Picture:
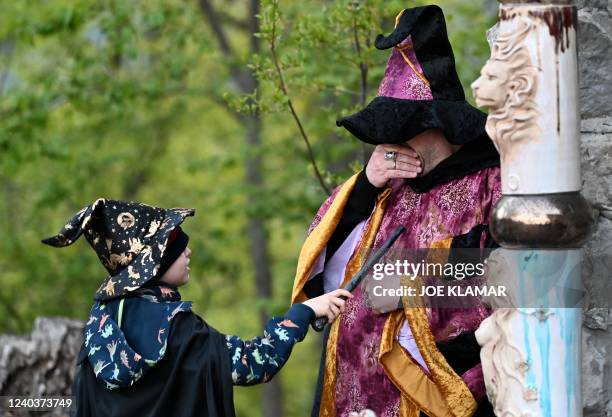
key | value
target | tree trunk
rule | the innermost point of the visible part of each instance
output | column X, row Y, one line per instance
column 272, row 393
column 256, row 229
column 258, row 241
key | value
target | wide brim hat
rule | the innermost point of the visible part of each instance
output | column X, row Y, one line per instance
column 129, row 238
column 420, row 89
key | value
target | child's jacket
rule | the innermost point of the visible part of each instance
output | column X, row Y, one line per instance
column 150, row 355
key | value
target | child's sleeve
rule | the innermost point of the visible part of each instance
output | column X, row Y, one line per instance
column 258, row 360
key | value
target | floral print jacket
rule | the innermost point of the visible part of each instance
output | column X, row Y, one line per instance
column 258, row 360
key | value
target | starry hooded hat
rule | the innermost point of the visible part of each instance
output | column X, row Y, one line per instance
column 420, row 89
column 129, row 238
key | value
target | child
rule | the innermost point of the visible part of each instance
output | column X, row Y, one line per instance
column 145, row 353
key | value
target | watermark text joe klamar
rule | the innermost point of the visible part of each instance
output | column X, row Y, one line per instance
column 441, row 291
column 447, row 288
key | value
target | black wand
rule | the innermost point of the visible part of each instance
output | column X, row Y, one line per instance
column 320, row 323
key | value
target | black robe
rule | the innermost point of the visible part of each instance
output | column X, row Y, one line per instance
column 192, row 380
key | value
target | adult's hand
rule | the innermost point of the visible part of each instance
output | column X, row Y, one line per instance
column 379, row 170
column 377, row 293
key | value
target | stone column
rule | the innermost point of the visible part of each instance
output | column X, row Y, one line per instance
column 531, row 343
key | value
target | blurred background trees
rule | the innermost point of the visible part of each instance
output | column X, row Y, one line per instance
column 218, row 105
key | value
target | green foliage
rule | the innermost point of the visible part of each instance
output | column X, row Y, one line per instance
column 135, row 100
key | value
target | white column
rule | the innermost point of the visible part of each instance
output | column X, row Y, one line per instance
column 531, row 343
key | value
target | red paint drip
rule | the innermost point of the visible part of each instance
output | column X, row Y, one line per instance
column 559, row 21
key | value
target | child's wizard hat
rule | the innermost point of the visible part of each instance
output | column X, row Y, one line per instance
column 130, row 239
column 420, row 89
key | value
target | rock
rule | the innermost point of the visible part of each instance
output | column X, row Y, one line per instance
column 42, row 363
column 596, row 150
column 595, row 57
column 593, row 374
column 595, row 61
column 593, row 4
column 596, row 272
column 596, row 318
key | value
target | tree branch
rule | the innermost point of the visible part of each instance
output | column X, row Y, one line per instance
column 245, row 79
column 153, row 152
column 211, row 15
column 363, row 68
column 363, row 65
column 284, row 89
column 231, row 20
column 242, row 78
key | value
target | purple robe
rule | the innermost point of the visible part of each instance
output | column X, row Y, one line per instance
column 445, row 211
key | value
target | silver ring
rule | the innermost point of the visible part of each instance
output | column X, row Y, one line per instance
column 390, row 156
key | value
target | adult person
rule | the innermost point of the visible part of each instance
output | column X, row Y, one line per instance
column 435, row 172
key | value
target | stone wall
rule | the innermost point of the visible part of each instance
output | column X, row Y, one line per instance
column 595, row 57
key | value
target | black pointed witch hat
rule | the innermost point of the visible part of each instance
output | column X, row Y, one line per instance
column 420, row 89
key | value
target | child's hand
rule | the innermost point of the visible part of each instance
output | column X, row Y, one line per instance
column 329, row 305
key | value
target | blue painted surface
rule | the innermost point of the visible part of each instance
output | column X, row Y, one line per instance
column 543, row 341
column 541, row 271
column 524, row 257
column 570, row 317
column 536, row 267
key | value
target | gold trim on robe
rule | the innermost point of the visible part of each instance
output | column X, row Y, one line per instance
column 458, row 398
column 408, row 408
column 328, row 393
column 318, row 238
column 418, row 391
